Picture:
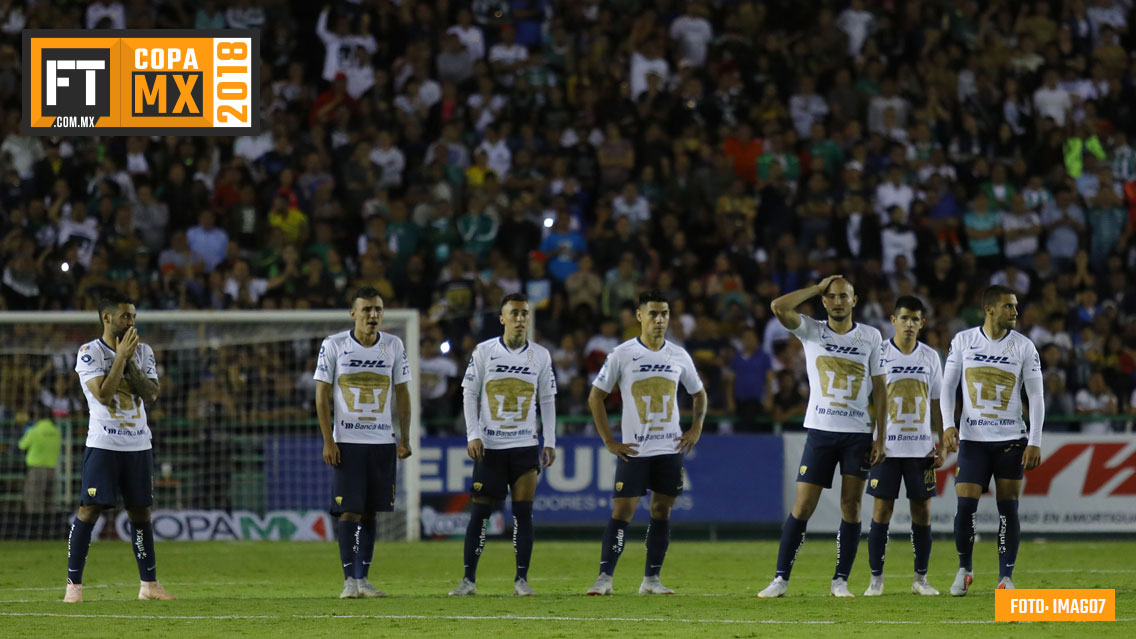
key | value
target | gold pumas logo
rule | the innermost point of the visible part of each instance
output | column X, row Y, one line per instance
column 92, row 491
column 875, row 482
column 339, row 500
column 618, row 486
column 803, row 469
column 477, row 485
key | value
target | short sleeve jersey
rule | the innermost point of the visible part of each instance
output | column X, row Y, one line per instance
column 913, row 380
column 510, row 386
column 363, row 380
column 840, row 369
column 648, row 383
column 992, row 373
column 122, row 425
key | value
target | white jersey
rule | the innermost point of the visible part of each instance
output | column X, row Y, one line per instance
column 913, row 380
column 992, row 375
column 363, row 381
column 509, row 386
column 648, row 383
column 122, row 425
column 840, row 369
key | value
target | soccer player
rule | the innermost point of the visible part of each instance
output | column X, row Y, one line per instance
column 914, row 443
column 120, row 378
column 360, row 369
column 505, row 378
column 648, row 370
column 844, row 368
column 993, row 361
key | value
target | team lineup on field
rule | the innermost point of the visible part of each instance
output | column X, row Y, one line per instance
column 884, row 412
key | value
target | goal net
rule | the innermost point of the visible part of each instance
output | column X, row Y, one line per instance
column 237, row 446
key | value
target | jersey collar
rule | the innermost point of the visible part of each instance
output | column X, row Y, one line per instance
column 983, row 331
column 378, row 339
column 506, row 347
column 108, row 346
column 854, row 325
column 640, row 340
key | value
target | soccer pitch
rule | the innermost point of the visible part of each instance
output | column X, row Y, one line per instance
column 289, row 589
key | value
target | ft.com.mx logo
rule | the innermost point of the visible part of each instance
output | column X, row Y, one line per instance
column 76, row 87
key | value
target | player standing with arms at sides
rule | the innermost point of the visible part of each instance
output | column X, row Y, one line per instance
column 120, row 378
column 648, row 370
column 358, row 370
column 993, row 361
column 914, row 375
column 843, row 360
column 506, row 376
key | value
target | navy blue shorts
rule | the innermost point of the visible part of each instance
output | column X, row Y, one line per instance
column 500, row 468
column 915, row 472
column 661, row 474
column 365, row 478
column 825, row 449
column 978, row 461
column 110, row 474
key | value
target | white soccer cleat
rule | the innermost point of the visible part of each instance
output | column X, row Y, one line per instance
column 840, row 588
column 920, row 586
column 367, row 590
column 74, row 594
column 777, row 588
column 350, row 589
column 521, row 588
column 154, row 590
column 602, row 586
column 1005, row 584
column 875, row 586
column 465, row 588
column 652, row 586
column 962, row 582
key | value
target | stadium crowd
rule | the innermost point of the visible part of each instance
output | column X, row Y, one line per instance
column 724, row 151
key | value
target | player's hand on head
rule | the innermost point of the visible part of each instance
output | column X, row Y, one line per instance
column 476, row 450
column 1031, row 458
column 951, row 439
column 404, row 450
column 547, row 456
column 331, row 453
column 686, row 442
column 621, row 450
column 824, row 284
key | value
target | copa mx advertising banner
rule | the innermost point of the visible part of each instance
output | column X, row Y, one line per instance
column 141, row 82
column 239, row 525
column 1085, row 484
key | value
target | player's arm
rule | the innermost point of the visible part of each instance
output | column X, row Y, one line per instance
column 140, row 385
column 104, row 388
column 937, row 435
column 1035, row 390
column 785, row 307
column 879, row 398
column 694, row 433
column 471, row 408
column 402, row 396
column 547, row 384
column 596, row 399
column 952, row 373
column 323, row 412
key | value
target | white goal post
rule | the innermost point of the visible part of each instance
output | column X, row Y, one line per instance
column 27, row 340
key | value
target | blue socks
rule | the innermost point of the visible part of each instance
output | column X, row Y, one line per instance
column 792, row 538
column 475, row 537
column 143, row 543
column 921, row 543
column 78, row 543
column 964, row 531
column 1009, row 537
column 658, row 538
column 366, row 548
column 877, row 546
column 348, row 546
column 613, row 540
column 847, row 542
column 523, row 536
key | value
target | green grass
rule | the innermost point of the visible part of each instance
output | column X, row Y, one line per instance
column 290, row 589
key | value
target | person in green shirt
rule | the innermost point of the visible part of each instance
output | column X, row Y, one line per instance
column 774, row 152
column 42, row 441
